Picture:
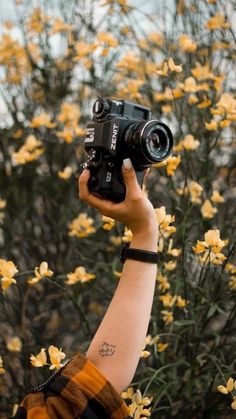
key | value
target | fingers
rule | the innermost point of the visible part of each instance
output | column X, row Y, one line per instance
column 102, row 205
column 133, row 190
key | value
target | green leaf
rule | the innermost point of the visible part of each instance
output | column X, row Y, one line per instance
column 184, row 322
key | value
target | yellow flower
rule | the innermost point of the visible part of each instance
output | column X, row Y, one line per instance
column 166, row 109
column 162, row 346
column 42, row 120
column 212, row 247
column 156, row 38
column 211, row 126
column 109, row 223
column 173, row 67
column 60, row 26
column 226, row 106
column 83, row 49
column 224, row 123
column 17, row 134
column 163, row 282
column 213, row 240
column 79, row 275
column 217, row 22
column 187, row 44
column 40, row 272
column 164, row 221
column 195, row 191
column 107, row 38
column 192, row 99
column 137, row 407
column 180, row 302
column 221, row 45
column 2, row 203
column 167, row 316
column 170, row 266
column 202, row 72
column 232, row 283
column 56, row 356
column 2, row 370
column 204, row 104
column 80, row 132
column 128, row 393
column 229, row 387
column 229, row 267
column 15, row 406
column 191, row 86
column 117, row 274
column 129, row 62
column 233, row 404
column 66, row 134
column 128, row 235
column 164, row 70
column 37, row 20
column 167, row 300
column 216, row 197
column 145, row 354
column 39, row 360
column 66, row 173
column 207, row 209
column 131, row 89
column 116, row 241
column 172, row 164
column 69, row 114
column 173, row 252
column 14, row 344
column 161, row 243
column 7, row 271
column 29, row 151
column 188, row 143
column 169, row 94
column 81, row 226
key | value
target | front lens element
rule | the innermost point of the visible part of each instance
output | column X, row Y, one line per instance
column 156, row 140
column 149, row 142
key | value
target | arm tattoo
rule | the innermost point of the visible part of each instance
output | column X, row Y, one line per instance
column 106, row 350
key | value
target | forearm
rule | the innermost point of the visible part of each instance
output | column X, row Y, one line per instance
column 124, row 326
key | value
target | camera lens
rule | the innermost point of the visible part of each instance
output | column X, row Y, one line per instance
column 154, row 140
column 150, row 142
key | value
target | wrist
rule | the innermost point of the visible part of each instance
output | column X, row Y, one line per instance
column 146, row 239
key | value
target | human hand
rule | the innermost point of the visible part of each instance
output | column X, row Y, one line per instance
column 136, row 212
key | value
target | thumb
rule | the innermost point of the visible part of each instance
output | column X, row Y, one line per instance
column 130, row 179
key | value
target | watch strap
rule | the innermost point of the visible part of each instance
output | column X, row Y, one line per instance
column 137, row 254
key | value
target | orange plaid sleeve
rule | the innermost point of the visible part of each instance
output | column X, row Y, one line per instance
column 78, row 390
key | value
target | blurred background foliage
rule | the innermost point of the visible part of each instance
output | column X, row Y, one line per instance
column 178, row 58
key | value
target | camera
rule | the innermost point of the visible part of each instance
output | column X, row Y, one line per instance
column 121, row 129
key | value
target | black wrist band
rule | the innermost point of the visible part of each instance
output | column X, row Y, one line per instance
column 137, row 254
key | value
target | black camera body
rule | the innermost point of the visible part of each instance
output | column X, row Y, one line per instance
column 121, row 129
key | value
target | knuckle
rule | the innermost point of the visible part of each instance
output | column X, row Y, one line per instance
column 137, row 198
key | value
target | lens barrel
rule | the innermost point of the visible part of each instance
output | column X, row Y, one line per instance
column 150, row 141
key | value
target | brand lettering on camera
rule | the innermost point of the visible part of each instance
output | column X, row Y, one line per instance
column 108, row 177
column 114, row 136
column 89, row 135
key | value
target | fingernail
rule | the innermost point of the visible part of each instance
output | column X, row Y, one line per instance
column 85, row 171
column 127, row 164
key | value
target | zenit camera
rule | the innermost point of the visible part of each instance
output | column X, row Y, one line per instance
column 121, row 129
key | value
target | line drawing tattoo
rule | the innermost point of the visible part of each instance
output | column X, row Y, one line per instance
column 105, row 349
